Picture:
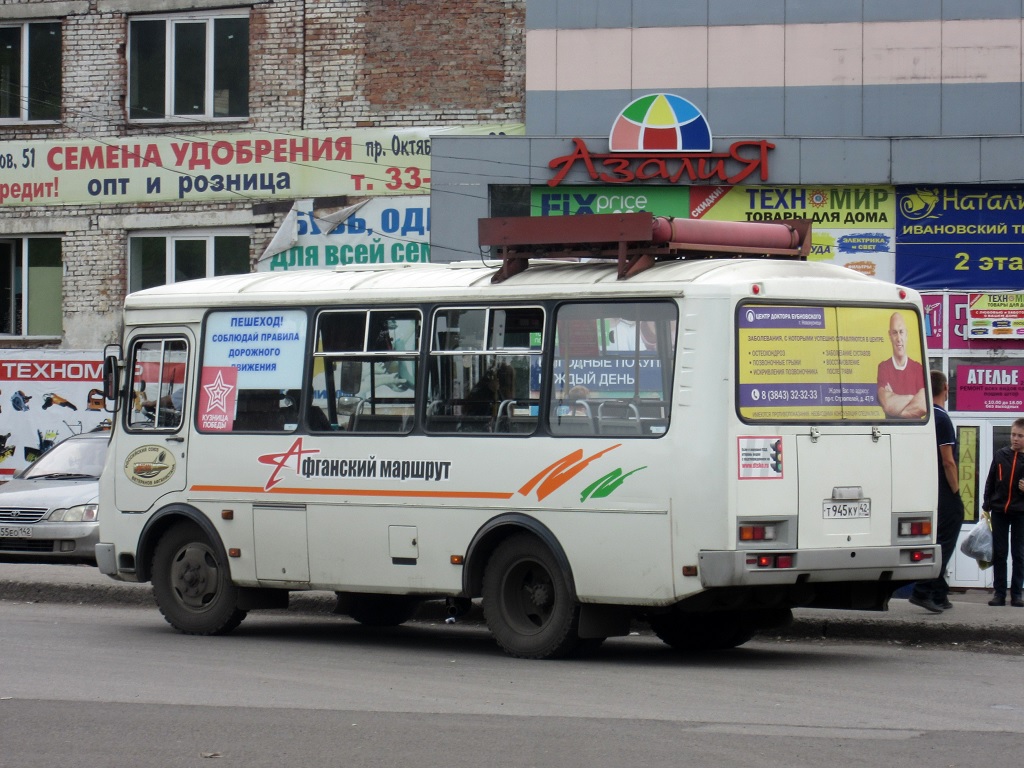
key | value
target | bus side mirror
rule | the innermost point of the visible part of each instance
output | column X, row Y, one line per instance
column 110, row 378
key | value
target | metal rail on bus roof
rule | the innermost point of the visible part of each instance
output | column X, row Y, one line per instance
column 636, row 240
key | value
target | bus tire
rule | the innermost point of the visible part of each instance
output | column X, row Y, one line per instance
column 192, row 585
column 527, row 603
column 380, row 610
column 698, row 632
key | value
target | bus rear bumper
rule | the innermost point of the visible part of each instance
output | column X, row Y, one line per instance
column 808, row 566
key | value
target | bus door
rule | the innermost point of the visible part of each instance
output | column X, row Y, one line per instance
column 845, row 489
column 152, row 439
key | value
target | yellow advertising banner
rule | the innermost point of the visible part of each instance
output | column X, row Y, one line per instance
column 828, row 363
column 854, row 227
column 363, row 162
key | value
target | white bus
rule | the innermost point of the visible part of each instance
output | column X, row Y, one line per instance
column 694, row 443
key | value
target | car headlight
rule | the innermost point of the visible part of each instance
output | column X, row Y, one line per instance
column 83, row 513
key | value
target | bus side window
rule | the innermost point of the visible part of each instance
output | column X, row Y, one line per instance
column 265, row 410
column 158, row 381
column 365, row 371
column 615, row 358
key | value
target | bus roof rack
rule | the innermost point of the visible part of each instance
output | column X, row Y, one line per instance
column 636, row 240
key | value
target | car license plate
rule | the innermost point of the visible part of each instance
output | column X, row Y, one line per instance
column 15, row 532
column 845, row 509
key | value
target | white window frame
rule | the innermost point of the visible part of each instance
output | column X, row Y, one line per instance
column 170, row 20
column 172, row 236
column 23, row 95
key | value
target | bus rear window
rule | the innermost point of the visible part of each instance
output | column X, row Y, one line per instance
column 830, row 363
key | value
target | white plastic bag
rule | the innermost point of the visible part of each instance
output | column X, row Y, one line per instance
column 978, row 543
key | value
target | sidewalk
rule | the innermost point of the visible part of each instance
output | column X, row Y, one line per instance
column 971, row 623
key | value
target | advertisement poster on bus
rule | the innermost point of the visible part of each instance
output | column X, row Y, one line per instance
column 812, row 363
column 46, row 396
column 960, row 237
column 853, row 227
column 381, row 230
column 265, row 348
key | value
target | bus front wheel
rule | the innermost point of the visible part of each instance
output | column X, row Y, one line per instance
column 192, row 585
column 527, row 603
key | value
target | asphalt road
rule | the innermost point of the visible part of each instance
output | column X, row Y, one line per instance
column 113, row 686
column 970, row 624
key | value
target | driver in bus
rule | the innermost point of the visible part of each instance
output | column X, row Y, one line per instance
column 901, row 379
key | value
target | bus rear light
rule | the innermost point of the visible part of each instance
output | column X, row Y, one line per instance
column 772, row 561
column 915, row 528
column 757, row 533
column 920, row 555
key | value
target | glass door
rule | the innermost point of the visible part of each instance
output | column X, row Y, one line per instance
column 979, row 439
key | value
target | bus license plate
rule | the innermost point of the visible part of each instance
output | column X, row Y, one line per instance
column 846, row 509
column 15, row 532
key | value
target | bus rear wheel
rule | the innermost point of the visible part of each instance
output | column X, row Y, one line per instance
column 527, row 603
column 192, row 585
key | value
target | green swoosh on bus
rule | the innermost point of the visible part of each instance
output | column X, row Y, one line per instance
column 606, row 485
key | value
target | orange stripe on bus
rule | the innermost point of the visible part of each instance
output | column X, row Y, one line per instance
column 353, row 492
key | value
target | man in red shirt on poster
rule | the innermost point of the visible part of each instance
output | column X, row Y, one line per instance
column 900, row 379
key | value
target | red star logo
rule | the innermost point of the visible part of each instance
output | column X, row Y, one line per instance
column 280, row 461
column 218, row 393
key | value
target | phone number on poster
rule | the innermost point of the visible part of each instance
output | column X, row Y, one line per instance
column 785, row 395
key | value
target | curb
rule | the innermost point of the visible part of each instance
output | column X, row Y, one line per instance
column 808, row 624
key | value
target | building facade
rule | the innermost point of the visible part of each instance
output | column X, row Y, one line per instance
column 897, row 127
column 149, row 142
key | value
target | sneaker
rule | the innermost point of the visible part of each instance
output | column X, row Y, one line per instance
column 926, row 603
column 997, row 601
column 1016, row 602
column 945, row 605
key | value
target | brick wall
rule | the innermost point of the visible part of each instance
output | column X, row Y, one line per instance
column 315, row 65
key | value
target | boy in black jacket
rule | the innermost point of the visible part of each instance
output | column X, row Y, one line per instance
column 1004, row 499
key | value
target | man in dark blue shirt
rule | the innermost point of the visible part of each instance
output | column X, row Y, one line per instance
column 934, row 595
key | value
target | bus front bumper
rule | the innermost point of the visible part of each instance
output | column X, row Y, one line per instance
column 761, row 567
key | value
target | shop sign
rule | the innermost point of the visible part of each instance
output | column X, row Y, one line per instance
column 960, row 237
column 989, row 387
column 958, row 327
column 380, row 230
column 995, row 315
column 46, row 396
column 362, row 162
column 583, row 200
column 662, row 137
column 854, row 227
